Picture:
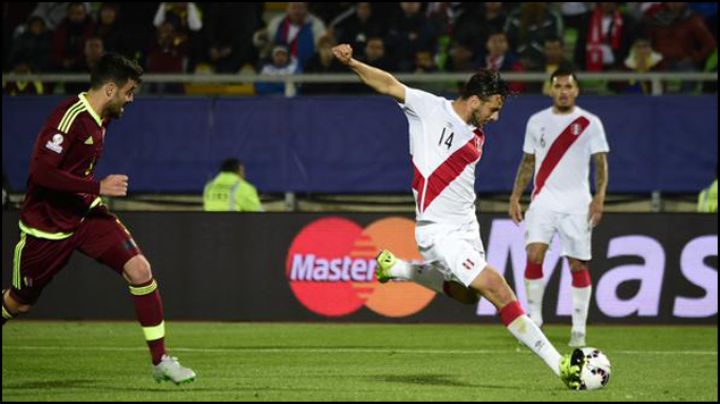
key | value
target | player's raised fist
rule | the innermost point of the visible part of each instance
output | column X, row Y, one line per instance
column 114, row 185
column 343, row 53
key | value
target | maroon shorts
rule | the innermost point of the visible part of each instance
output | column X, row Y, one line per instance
column 37, row 261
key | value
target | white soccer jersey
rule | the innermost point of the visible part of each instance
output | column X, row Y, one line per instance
column 445, row 150
column 563, row 145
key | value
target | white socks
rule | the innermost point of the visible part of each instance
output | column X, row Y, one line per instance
column 425, row 275
column 581, row 304
column 527, row 332
column 534, row 289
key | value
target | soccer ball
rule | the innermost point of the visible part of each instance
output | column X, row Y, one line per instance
column 595, row 373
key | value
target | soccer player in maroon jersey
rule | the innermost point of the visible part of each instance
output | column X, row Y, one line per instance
column 63, row 211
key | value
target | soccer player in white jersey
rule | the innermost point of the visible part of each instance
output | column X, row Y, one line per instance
column 559, row 144
column 446, row 142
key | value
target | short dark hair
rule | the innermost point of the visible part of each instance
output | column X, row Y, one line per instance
column 231, row 165
column 562, row 71
column 485, row 83
column 114, row 68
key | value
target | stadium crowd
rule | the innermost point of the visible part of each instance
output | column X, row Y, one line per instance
column 296, row 37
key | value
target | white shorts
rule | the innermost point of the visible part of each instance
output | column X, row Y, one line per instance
column 455, row 251
column 574, row 229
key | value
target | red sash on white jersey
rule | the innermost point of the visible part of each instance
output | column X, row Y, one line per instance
column 557, row 151
column 447, row 171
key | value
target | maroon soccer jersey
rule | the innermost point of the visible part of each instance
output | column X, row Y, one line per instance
column 61, row 187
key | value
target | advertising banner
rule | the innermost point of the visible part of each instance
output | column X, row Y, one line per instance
column 646, row 268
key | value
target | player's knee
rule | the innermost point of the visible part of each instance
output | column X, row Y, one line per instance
column 461, row 293
column 535, row 256
column 16, row 308
column 22, row 309
column 577, row 266
column 138, row 270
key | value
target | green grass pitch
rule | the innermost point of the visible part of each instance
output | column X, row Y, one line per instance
column 93, row 361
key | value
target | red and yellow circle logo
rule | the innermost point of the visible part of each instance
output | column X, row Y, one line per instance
column 331, row 267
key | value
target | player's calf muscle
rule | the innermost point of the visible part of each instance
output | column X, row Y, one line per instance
column 493, row 287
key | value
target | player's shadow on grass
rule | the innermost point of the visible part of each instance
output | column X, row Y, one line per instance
column 425, row 380
column 438, row 380
column 50, row 384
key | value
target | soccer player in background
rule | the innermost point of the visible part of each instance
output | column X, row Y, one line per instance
column 559, row 143
column 63, row 211
column 446, row 142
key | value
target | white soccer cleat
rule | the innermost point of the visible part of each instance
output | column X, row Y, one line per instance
column 577, row 340
column 170, row 369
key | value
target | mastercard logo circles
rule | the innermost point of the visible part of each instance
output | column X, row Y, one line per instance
column 331, row 267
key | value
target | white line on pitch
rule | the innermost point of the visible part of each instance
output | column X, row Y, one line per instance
column 334, row 350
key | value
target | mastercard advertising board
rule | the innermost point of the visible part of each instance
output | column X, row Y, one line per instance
column 331, row 267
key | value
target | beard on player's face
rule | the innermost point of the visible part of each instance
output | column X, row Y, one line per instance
column 564, row 103
column 475, row 118
column 115, row 107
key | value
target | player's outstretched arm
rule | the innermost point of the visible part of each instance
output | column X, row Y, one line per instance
column 522, row 179
column 379, row 80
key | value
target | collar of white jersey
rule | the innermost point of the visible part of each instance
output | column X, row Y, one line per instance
column 449, row 108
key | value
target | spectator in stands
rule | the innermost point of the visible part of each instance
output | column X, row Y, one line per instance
column 297, row 29
column 375, row 54
column 409, row 32
column 229, row 191
column 681, row 36
column 54, row 13
column 108, row 29
column 642, row 59
column 23, row 87
column 528, row 28
column 282, row 63
column 323, row 61
column 356, row 28
column 33, row 45
column 187, row 19
column 425, row 62
column 167, row 54
column 229, row 31
column 461, row 58
column 554, row 58
column 69, row 38
column 94, row 50
column 606, row 39
column 493, row 19
column 499, row 57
